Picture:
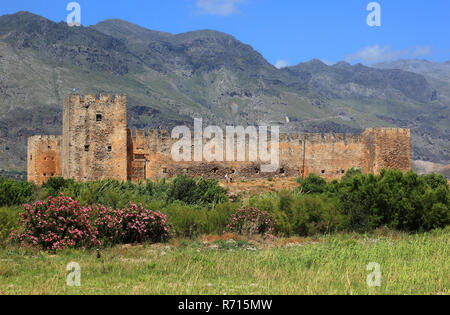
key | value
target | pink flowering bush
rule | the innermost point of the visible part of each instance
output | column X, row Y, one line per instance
column 133, row 224
column 251, row 221
column 60, row 223
column 56, row 224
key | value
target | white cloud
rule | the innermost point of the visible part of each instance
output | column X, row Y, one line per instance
column 218, row 7
column 421, row 51
column 281, row 64
column 375, row 54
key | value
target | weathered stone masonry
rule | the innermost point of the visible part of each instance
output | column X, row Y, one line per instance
column 96, row 144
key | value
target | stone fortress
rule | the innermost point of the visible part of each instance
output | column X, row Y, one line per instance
column 96, row 144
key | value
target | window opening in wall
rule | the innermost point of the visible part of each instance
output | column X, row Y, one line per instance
column 45, row 174
column 98, row 117
column 164, row 170
column 323, row 171
column 343, row 172
column 257, row 170
column 31, row 158
column 282, row 171
column 86, row 148
column 49, row 147
column 109, row 148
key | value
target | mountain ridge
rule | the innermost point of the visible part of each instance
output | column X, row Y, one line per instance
column 172, row 78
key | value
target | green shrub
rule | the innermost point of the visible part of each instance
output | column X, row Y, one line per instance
column 267, row 202
column 316, row 215
column 435, row 180
column 252, row 221
column 210, row 192
column 352, row 172
column 56, row 185
column 308, row 215
column 117, row 194
column 313, row 184
column 13, row 193
column 195, row 191
column 400, row 201
column 187, row 221
column 9, row 221
column 192, row 221
column 219, row 217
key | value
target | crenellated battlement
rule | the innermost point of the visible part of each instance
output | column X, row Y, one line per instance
column 148, row 135
column 285, row 137
column 76, row 99
column 403, row 131
column 44, row 139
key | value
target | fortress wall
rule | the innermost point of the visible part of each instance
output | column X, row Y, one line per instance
column 157, row 151
column 96, row 145
column 326, row 155
column 331, row 155
column 94, row 137
column 44, row 159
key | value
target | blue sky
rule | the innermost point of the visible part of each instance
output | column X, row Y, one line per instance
column 285, row 32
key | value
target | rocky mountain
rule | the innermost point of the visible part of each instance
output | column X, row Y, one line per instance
column 437, row 73
column 437, row 70
column 364, row 83
column 170, row 79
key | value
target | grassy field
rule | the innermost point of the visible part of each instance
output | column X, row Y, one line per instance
column 410, row 264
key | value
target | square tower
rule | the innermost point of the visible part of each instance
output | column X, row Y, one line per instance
column 94, row 145
column 44, row 160
column 388, row 148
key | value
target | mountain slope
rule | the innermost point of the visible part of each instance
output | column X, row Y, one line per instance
column 342, row 80
column 436, row 73
column 170, row 79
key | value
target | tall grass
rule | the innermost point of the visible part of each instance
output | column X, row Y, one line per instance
column 410, row 264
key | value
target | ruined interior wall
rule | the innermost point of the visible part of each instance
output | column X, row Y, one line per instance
column 44, row 159
column 94, row 137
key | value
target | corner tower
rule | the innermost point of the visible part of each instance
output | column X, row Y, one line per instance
column 387, row 148
column 94, row 145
